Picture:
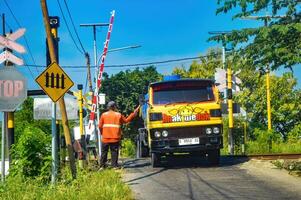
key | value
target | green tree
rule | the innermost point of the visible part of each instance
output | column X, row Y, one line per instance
column 285, row 98
column 124, row 88
column 204, row 68
column 24, row 118
column 278, row 44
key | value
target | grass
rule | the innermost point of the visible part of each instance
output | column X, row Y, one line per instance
column 106, row 184
column 293, row 166
column 254, row 147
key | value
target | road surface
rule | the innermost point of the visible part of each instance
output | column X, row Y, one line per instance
column 193, row 178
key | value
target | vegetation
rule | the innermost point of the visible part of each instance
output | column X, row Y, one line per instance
column 105, row 185
column 294, row 167
column 128, row 148
column 276, row 45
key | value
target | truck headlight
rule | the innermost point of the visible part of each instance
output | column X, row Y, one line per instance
column 164, row 133
column 216, row 130
column 157, row 134
column 208, row 131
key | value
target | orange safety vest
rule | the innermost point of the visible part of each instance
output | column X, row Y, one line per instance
column 110, row 125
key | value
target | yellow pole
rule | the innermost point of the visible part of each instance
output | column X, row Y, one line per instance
column 81, row 126
column 230, row 110
column 269, row 100
column 61, row 101
column 80, row 104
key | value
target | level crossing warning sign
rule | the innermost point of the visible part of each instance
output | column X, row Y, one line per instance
column 54, row 81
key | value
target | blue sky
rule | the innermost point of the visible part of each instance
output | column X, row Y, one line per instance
column 168, row 29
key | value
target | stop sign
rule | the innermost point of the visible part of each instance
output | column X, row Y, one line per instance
column 13, row 89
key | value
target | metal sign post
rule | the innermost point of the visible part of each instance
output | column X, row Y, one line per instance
column 54, row 149
column 3, row 149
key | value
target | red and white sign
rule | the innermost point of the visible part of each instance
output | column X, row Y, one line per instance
column 13, row 89
column 9, row 41
column 91, row 126
column 8, row 56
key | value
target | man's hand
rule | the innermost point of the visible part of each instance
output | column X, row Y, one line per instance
column 136, row 110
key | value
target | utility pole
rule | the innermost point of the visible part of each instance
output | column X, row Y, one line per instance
column 79, row 96
column 9, row 115
column 3, row 148
column 61, row 100
column 3, row 126
column 94, row 26
column 266, row 18
column 230, row 110
column 228, row 91
column 54, row 24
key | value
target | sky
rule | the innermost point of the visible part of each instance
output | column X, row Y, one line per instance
column 168, row 29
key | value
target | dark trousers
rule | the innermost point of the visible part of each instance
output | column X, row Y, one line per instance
column 114, row 148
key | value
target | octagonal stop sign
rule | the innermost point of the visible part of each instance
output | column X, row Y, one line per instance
column 13, row 89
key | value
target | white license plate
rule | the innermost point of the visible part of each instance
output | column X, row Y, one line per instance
column 188, row 141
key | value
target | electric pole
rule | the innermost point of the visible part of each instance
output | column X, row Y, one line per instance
column 94, row 26
column 228, row 91
column 61, row 100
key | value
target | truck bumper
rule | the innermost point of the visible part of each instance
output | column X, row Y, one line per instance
column 172, row 146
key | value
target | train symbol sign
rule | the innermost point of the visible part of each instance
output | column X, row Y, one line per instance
column 13, row 89
column 54, row 81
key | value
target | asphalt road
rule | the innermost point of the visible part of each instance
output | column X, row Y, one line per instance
column 193, row 178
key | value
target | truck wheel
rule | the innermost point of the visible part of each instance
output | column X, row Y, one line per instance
column 214, row 156
column 155, row 159
column 144, row 151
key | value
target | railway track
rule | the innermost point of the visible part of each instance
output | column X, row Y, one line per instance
column 270, row 156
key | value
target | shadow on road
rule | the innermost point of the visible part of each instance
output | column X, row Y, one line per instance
column 184, row 161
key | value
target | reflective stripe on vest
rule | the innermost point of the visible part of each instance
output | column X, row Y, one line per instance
column 111, row 125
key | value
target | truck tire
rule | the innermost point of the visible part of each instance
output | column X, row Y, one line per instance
column 214, row 156
column 155, row 159
column 144, row 151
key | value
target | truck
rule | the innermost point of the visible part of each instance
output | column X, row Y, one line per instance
column 180, row 116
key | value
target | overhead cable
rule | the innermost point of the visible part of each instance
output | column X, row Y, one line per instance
column 70, row 16
column 25, row 39
column 69, row 31
column 136, row 64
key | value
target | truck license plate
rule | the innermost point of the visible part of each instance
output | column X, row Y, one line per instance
column 188, row 141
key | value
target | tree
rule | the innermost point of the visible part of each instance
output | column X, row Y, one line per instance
column 278, row 44
column 24, row 117
column 204, row 68
column 124, row 88
column 285, row 98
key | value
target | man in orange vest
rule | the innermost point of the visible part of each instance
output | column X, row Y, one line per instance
column 110, row 127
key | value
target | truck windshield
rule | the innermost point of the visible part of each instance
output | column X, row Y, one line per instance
column 183, row 95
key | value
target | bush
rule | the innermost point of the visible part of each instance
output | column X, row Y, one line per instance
column 294, row 136
column 128, row 148
column 32, row 154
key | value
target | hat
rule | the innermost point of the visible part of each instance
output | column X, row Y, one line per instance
column 111, row 104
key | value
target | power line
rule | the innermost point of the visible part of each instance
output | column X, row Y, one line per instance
column 137, row 64
column 60, row 7
column 25, row 39
column 78, row 38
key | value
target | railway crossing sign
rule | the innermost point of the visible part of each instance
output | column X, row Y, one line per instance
column 13, row 89
column 9, row 42
column 54, row 81
column 8, row 56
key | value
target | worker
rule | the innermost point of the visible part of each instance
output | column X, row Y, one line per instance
column 110, row 128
